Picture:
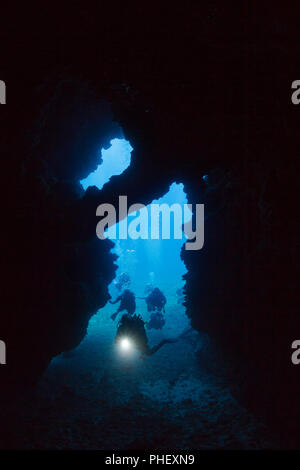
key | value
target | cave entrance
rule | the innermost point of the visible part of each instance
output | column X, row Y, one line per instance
column 148, row 263
column 107, row 400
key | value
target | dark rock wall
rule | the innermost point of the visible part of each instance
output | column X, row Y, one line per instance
column 57, row 273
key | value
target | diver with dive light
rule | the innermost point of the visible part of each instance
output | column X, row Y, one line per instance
column 131, row 329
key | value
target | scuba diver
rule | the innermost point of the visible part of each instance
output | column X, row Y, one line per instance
column 156, row 321
column 133, row 328
column 122, row 281
column 127, row 299
column 156, row 301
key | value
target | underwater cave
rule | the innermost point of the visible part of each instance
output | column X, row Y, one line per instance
column 111, row 115
column 147, row 262
column 102, row 396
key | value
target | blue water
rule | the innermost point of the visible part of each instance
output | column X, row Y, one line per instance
column 154, row 261
column 115, row 160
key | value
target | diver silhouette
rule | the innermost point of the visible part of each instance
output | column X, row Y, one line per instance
column 156, row 301
column 133, row 327
column 127, row 299
column 156, row 321
column 122, row 281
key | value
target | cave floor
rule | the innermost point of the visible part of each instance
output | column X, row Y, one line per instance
column 90, row 398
